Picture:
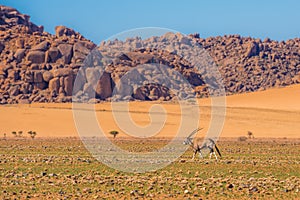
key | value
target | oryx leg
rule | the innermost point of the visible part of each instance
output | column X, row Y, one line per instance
column 216, row 156
column 211, row 152
column 200, row 154
column 195, row 152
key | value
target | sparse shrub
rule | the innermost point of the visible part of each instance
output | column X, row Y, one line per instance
column 192, row 101
column 14, row 133
column 242, row 139
column 32, row 134
column 250, row 135
column 20, row 133
column 114, row 133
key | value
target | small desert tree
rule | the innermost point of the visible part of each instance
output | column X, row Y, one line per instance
column 14, row 133
column 250, row 135
column 20, row 133
column 114, row 133
column 242, row 138
column 32, row 134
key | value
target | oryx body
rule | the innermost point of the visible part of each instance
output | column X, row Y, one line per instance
column 199, row 145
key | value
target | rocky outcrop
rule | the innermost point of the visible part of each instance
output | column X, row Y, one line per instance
column 36, row 66
column 10, row 17
column 36, row 57
column 66, row 50
column 64, row 31
column 104, row 87
column 252, row 50
column 248, row 64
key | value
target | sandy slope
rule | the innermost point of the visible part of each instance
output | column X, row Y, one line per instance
column 272, row 113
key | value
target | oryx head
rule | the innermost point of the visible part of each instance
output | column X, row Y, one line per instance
column 189, row 139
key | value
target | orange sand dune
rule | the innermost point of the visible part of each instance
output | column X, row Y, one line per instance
column 272, row 113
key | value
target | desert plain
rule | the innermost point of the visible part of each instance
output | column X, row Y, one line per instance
column 56, row 164
column 273, row 113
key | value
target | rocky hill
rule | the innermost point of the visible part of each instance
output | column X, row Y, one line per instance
column 36, row 66
column 248, row 64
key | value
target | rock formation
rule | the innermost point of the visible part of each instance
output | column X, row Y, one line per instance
column 36, row 66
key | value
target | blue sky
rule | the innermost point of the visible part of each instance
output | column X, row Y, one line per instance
column 99, row 19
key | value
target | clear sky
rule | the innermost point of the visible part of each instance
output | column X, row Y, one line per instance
column 99, row 19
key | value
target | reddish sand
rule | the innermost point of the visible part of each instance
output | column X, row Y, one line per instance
column 272, row 113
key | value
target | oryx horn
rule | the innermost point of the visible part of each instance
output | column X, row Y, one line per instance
column 195, row 131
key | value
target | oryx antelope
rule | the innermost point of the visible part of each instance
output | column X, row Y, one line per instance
column 198, row 146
